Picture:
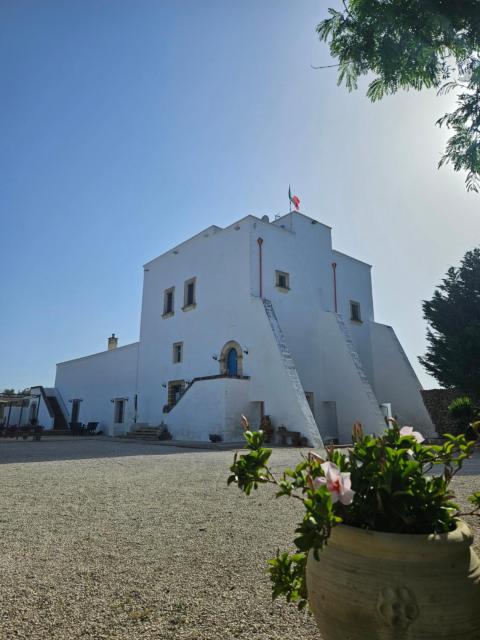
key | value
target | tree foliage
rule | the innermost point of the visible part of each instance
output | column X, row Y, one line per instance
column 416, row 44
column 453, row 335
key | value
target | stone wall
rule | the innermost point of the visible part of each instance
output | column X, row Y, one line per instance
column 437, row 401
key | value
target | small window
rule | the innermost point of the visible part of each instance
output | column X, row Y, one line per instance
column 119, row 411
column 168, row 302
column 355, row 315
column 175, row 390
column 178, row 352
column 282, row 280
column 189, row 299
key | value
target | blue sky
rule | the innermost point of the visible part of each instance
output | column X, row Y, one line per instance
column 128, row 126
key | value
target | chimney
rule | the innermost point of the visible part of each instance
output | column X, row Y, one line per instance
column 112, row 342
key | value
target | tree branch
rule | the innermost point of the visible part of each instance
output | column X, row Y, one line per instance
column 325, row 66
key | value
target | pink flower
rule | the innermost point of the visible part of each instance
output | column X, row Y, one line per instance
column 338, row 483
column 408, row 431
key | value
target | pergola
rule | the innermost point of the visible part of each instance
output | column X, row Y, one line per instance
column 21, row 400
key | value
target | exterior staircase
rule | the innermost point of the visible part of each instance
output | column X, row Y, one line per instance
column 311, row 429
column 361, row 372
column 59, row 421
column 142, row 431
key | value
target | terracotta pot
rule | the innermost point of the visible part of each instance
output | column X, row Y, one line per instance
column 386, row 586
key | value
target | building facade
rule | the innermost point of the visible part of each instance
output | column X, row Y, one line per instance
column 258, row 318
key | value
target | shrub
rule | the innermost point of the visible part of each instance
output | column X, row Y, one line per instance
column 461, row 408
column 463, row 411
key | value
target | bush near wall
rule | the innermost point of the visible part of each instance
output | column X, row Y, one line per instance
column 437, row 401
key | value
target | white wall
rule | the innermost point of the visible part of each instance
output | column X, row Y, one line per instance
column 272, row 380
column 343, row 382
column 396, row 381
column 222, row 402
column 219, row 261
column 354, row 283
column 97, row 379
column 304, row 250
column 237, row 402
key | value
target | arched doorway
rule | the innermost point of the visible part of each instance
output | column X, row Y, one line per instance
column 231, row 359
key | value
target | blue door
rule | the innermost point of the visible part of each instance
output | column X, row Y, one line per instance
column 232, row 362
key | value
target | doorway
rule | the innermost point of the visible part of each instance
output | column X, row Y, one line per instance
column 232, row 362
column 231, row 359
column 75, row 411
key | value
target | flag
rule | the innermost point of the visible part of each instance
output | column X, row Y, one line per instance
column 295, row 200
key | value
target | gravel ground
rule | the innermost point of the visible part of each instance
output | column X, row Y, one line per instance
column 115, row 540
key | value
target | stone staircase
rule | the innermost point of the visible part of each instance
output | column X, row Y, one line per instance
column 311, row 429
column 143, row 431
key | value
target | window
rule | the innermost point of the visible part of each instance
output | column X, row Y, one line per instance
column 168, row 302
column 175, row 390
column 178, row 352
column 119, row 412
column 282, row 280
column 189, row 301
column 355, row 315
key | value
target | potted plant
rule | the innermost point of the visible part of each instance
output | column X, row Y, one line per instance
column 381, row 552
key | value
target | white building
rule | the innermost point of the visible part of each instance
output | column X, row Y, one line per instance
column 257, row 318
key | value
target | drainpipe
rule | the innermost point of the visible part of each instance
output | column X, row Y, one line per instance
column 260, row 242
column 334, row 267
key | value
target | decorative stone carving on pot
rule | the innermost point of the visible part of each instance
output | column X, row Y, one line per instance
column 369, row 585
column 397, row 606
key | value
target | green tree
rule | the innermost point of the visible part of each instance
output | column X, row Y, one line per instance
column 453, row 335
column 416, row 44
column 8, row 392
